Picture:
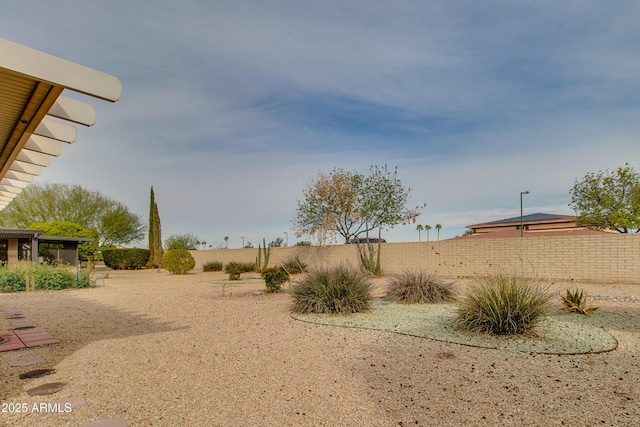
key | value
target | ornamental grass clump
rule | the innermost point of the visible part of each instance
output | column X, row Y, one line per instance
column 503, row 304
column 295, row 265
column 211, row 266
column 337, row 290
column 576, row 302
column 417, row 287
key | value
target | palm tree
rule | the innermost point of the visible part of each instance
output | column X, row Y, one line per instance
column 427, row 228
column 438, row 227
column 420, row 227
column 226, row 241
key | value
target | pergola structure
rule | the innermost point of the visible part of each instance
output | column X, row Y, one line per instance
column 35, row 116
column 36, row 120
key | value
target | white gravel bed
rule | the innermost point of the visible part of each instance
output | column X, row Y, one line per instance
column 196, row 350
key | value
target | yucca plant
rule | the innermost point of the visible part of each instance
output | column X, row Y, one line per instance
column 503, row 304
column 417, row 287
column 576, row 302
column 340, row 290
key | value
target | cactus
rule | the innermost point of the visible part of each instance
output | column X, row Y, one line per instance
column 263, row 251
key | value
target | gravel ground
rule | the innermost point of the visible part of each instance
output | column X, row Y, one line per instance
column 162, row 350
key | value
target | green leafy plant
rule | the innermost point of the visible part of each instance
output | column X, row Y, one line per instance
column 212, row 266
column 340, row 290
column 178, row 261
column 416, row 287
column 576, row 302
column 503, row 304
column 125, row 259
column 295, row 265
column 274, row 278
column 12, row 279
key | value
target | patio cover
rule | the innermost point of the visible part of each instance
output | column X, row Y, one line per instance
column 31, row 84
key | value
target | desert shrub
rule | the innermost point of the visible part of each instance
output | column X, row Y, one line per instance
column 212, row 266
column 417, row 287
column 178, row 261
column 295, row 265
column 341, row 290
column 503, row 304
column 11, row 280
column 576, row 301
column 235, row 268
column 125, row 259
column 274, row 277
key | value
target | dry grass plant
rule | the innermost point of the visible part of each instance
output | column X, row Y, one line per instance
column 418, row 287
column 503, row 304
column 338, row 290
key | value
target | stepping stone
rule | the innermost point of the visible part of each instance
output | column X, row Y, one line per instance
column 12, row 341
column 35, row 337
column 113, row 422
column 36, row 374
column 73, row 402
column 26, row 362
column 48, row 388
column 16, row 354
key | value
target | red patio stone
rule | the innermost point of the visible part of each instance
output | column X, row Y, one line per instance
column 12, row 343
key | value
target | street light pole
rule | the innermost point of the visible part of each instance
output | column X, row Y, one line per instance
column 521, row 222
column 242, row 241
column 286, row 235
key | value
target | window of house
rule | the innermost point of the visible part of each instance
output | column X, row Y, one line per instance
column 24, row 249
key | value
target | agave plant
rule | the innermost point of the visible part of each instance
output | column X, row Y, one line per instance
column 576, row 301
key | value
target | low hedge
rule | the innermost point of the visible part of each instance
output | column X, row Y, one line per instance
column 125, row 259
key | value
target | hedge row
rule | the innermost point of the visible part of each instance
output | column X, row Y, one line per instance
column 125, row 259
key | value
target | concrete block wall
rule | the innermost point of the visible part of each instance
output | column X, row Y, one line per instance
column 610, row 258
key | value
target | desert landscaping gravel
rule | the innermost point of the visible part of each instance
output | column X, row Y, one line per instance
column 155, row 349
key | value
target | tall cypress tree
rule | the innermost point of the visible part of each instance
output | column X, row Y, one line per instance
column 155, row 238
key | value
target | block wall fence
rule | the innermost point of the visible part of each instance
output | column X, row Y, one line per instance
column 610, row 258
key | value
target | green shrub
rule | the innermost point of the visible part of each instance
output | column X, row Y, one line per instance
column 274, row 277
column 504, row 305
column 212, row 266
column 178, row 261
column 341, row 290
column 11, row 280
column 417, row 287
column 295, row 265
column 52, row 277
column 576, row 302
column 125, row 259
column 235, row 269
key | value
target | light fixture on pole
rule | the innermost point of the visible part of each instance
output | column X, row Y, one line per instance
column 521, row 222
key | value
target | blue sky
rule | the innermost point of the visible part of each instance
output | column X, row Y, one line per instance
column 229, row 109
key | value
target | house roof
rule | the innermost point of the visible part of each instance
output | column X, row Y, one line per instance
column 536, row 217
column 19, row 233
column 33, row 112
column 505, row 234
